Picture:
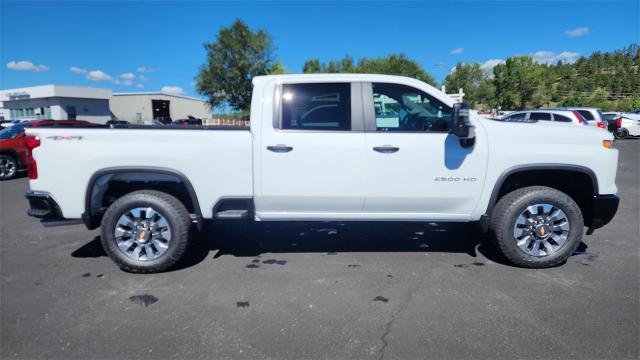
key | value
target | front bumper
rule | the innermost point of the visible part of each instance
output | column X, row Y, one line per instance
column 604, row 209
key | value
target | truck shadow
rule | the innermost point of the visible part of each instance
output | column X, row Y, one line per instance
column 250, row 239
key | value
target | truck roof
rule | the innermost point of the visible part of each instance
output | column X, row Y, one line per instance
column 350, row 77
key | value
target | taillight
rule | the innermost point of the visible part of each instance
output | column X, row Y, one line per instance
column 577, row 115
column 619, row 122
column 31, row 142
column 601, row 124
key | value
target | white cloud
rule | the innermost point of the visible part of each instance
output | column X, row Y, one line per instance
column 172, row 89
column 128, row 76
column 488, row 66
column 577, row 32
column 127, row 82
column 143, row 78
column 25, row 65
column 99, row 75
column 440, row 64
column 457, row 51
column 144, row 69
column 140, row 86
column 491, row 63
column 77, row 70
column 549, row 57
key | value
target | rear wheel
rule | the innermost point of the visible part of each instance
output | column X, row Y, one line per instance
column 146, row 231
column 537, row 226
column 8, row 167
column 621, row 133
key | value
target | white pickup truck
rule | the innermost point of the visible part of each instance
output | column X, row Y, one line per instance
column 329, row 147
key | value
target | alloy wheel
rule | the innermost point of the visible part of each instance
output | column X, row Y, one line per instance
column 541, row 230
column 7, row 168
column 142, row 234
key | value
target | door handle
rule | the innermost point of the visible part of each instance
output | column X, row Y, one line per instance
column 279, row 148
column 387, row 149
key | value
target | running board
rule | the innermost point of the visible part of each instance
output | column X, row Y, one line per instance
column 64, row 222
column 232, row 215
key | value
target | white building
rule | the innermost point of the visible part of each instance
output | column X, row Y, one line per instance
column 56, row 102
column 144, row 107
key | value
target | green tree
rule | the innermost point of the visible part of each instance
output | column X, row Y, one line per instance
column 312, row 66
column 469, row 77
column 516, row 81
column 394, row 64
column 233, row 59
column 278, row 68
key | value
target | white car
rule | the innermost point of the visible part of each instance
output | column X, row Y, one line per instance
column 326, row 147
column 545, row 115
column 592, row 115
column 627, row 124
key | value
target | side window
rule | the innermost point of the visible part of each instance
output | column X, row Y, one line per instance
column 316, row 106
column 586, row 114
column 519, row 117
column 562, row 118
column 403, row 108
column 540, row 116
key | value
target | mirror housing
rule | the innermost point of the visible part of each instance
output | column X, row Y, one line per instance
column 461, row 126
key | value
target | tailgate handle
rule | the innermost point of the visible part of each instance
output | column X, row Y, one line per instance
column 387, row 149
column 280, row 148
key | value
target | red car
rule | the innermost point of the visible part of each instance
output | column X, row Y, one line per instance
column 13, row 152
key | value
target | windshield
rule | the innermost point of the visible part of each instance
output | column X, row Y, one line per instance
column 10, row 132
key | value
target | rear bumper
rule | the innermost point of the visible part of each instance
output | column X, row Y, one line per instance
column 42, row 206
column 604, row 209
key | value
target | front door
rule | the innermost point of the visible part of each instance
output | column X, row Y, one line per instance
column 312, row 160
column 416, row 169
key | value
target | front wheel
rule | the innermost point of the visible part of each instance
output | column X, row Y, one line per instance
column 146, row 231
column 537, row 226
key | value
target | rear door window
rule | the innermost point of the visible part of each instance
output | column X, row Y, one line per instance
column 519, row 117
column 316, row 106
column 540, row 116
column 561, row 118
column 586, row 114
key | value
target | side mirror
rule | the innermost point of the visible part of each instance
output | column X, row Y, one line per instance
column 461, row 126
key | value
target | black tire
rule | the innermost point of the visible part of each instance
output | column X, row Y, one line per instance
column 621, row 133
column 8, row 167
column 170, row 208
column 513, row 204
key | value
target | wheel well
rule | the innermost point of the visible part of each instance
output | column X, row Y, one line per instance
column 13, row 154
column 579, row 185
column 107, row 187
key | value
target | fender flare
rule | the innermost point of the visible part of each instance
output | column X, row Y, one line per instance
column 91, row 220
column 523, row 168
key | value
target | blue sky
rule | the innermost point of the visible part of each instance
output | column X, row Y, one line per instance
column 134, row 46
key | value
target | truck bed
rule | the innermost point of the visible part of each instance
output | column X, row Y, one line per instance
column 217, row 162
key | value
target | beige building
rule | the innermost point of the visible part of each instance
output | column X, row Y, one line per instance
column 144, row 107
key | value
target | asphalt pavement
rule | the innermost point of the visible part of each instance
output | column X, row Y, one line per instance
column 321, row 290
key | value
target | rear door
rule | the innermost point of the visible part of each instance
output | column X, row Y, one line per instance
column 312, row 157
column 416, row 169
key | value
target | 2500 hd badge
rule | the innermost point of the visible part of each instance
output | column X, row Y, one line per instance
column 454, row 178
